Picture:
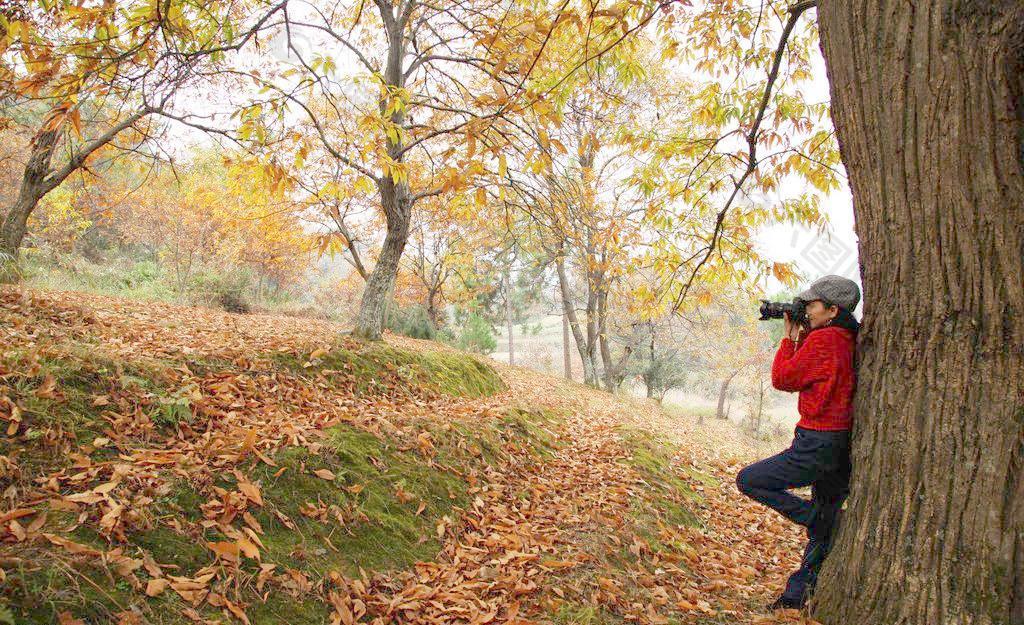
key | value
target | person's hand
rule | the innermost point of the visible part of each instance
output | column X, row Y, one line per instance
column 792, row 330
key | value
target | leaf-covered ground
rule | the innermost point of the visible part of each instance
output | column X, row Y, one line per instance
column 163, row 464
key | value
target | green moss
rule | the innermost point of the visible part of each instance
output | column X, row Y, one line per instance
column 281, row 608
column 652, row 459
column 376, row 530
column 460, row 374
column 167, row 546
column 535, row 426
column 376, row 367
column 38, row 593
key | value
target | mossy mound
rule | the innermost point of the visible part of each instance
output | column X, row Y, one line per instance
column 361, row 503
column 669, row 494
column 376, row 367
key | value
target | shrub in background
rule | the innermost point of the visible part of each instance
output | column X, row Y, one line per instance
column 477, row 335
column 229, row 290
column 411, row 320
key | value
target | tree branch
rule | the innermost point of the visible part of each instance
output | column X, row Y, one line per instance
column 794, row 16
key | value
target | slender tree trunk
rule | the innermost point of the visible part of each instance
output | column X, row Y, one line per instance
column 432, row 312
column 566, row 353
column 720, row 412
column 508, row 319
column 614, row 372
column 592, row 334
column 649, row 376
column 582, row 343
column 604, row 344
column 928, row 103
column 396, row 200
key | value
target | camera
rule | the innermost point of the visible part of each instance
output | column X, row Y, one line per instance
column 774, row 310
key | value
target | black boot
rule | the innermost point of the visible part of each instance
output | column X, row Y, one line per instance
column 785, row 603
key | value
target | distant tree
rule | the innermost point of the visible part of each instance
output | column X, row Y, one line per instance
column 88, row 80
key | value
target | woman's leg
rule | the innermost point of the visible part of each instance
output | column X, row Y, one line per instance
column 820, row 459
column 802, row 579
column 828, row 495
column 768, row 480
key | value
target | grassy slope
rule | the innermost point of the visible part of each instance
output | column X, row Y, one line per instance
column 390, row 488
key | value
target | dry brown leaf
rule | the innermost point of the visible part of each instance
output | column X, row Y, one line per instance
column 156, row 586
column 324, row 474
column 70, row 545
column 252, row 491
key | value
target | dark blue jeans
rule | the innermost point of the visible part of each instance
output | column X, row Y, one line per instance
column 817, row 459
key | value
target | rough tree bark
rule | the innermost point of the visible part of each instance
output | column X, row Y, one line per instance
column 380, row 287
column 34, row 185
column 928, row 102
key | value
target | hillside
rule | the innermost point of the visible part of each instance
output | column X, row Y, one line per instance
column 164, row 464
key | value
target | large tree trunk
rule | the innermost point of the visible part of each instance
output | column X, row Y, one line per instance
column 40, row 177
column 34, row 185
column 380, row 287
column 928, row 102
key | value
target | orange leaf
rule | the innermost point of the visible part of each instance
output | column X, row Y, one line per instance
column 65, row 618
column 248, row 549
column 226, row 550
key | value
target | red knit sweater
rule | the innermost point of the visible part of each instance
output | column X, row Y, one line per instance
column 821, row 369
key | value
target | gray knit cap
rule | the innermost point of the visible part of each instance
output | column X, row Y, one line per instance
column 837, row 290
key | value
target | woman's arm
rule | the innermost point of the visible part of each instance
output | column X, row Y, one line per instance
column 795, row 369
